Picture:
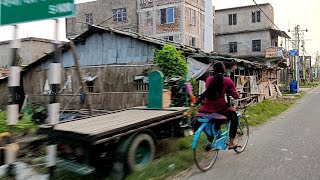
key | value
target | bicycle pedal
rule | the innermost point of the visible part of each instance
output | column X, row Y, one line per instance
column 207, row 149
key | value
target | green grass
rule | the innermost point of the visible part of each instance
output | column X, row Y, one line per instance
column 309, row 84
column 3, row 122
column 165, row 166
column 262, row 112
column 180, row 155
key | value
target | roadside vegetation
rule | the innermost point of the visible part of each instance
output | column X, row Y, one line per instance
column 33, row 114
column 310, row 84
column 171, row 62
column 262, row 112
column 24, row 126
column 179, row 155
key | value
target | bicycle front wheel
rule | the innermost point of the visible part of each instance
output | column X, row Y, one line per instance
column 204, row 155
column 242, row 136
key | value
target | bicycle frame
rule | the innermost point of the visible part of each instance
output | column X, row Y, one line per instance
column 219, row 141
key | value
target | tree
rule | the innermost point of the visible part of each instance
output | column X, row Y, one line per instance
column 171, row 62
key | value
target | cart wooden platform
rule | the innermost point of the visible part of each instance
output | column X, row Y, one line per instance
column 114, row 125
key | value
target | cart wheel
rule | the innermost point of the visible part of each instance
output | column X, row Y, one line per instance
column 141, row 152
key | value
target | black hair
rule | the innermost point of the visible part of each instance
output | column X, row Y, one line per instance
column 215, row 88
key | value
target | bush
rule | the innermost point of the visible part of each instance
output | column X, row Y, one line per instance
column 3, row 122
column 32, row 114
column 25, row 125
column 171, row 62
column 38, row 112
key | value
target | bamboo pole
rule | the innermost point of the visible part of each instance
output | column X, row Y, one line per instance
column 88, row 100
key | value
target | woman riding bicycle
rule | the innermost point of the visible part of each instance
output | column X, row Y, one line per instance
column 214, row 99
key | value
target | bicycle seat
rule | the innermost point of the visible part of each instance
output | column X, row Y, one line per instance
column 206, row 117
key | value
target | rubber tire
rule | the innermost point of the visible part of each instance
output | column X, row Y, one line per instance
column 195, row 157
column 132, row 151
column 240, row 150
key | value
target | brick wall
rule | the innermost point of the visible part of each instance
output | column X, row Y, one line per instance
column 172, row 27
column 102, row 11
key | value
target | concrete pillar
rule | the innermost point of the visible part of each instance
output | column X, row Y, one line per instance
column 208, row 27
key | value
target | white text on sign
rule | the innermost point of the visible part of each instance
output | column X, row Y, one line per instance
column 61, row 8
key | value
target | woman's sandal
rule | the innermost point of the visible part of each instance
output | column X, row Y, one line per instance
column 234, row 146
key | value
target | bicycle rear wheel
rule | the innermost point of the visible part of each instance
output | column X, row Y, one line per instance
column 204, row 156
column 242, row 136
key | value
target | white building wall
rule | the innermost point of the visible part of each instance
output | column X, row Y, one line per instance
column 244, row 41
column 244, row 19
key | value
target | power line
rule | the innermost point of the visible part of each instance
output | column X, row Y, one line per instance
column 266, row 15
column 107, row 19
column 270, row 19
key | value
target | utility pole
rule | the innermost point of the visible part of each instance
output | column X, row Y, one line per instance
column 297, row 56
column 316, row 65
column 54, row 106
column 303, row 59
column 208, row 27
column 13, row 104
column 297, row 32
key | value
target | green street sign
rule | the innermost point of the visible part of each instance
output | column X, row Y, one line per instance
column 19, row 11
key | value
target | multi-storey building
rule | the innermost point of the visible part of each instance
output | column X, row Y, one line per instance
column 175, row 20
column 31, row 50
column 112, row 13
column 246, row 31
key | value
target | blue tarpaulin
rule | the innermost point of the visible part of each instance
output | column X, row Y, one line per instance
column 293, row 52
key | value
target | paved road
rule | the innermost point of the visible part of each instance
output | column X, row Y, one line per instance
column 287, row 147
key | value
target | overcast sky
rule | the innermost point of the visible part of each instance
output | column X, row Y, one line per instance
column 288, row 13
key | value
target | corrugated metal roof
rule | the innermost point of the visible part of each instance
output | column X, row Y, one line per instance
column 97, row 29
column 94, row 29
column 226, row 59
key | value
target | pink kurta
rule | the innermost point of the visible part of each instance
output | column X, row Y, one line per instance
column 219, row 105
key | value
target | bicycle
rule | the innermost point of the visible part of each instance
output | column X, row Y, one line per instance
column 213, row 135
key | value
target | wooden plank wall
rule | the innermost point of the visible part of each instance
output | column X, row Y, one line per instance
column 101, row 101
column 113, row 89
column 110, row 78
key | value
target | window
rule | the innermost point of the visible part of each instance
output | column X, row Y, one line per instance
column 168, row 38
column 233, row 47
column 167, row 15
column 120, row 14
column 145, row 1
column 232, row 19
column 89, row 18
column 192, row 17
column 256, row 45
column 192, row 41
column 256, row 17
column 142, row 86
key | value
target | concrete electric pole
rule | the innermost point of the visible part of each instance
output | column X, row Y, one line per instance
column 208, row 27
column 297, row 32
